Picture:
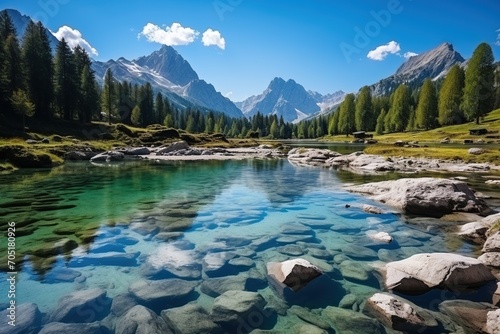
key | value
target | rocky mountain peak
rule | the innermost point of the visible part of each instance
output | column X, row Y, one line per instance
column 168, row 63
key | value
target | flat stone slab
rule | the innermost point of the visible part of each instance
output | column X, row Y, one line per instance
column 422, row 272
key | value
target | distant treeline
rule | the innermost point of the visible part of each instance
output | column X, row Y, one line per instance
column 36, row 83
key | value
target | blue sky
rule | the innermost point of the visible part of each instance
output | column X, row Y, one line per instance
column 241, row 45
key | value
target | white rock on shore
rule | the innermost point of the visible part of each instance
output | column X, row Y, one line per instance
column 422, row 272
column 433, row 197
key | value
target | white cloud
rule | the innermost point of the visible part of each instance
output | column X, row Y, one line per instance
column 382, row 51
column 410, row 54
column 228, row 95
column 498, row 38
column 74, row 37
column 173, row 35
column 213, row 37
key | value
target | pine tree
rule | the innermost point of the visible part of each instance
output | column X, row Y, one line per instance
column 364, row 109
column 426, row 114
column 37, row 64
column 450, row 97
column 478, row 96
column 11, row 78
column 66, row 80
column 159, row 108
column 347, row 115
column 22, row 105
column 399, row 112
column 274, row 131
column 136, row 116
column 147, row 105
column 108, row 96
column 89, row 96
column 333, row 123
column 379, row 129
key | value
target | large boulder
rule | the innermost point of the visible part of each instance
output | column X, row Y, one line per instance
column 235, row 310
column 426, row 196
column 422, row 272
column 492, row 244
column 476, row 231
column 28, row 320
column 108, row 156
column 141, row 320
column 159, row 294
column 310, row 156
column 169, row 260
column 180, row 319
column 82, row 306
column 493, row 321
column 174, row 147
column 295, row 273
column 398, row 313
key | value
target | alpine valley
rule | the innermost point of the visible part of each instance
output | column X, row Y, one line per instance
column 169, row 73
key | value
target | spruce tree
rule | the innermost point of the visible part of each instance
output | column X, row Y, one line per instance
column 37, row 64
column 379, row 129
column 108, row 96
column 478, row 96
column 89, row 96
column 147, row 105
column 11, row 78
column 159, row 108
column 364, row 110
column 399, row 112
column 347, row 115
column 426, row 114
column 450, row 97
column 67, row 85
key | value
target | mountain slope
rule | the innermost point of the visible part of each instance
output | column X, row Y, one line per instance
column 432, row 64
column 21, row 22
column 169, row 73
column 283, row 98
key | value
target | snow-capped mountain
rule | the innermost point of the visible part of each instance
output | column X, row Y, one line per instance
column 172, row 75
column 288, row 99
column 21, row 22
column 432, row 64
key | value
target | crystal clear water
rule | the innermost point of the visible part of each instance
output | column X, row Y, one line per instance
column 200, row 221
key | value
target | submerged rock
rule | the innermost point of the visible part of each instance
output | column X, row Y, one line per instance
column 473, row 317
column 235, row 309
column 351, row 322
column 28, row 320
column 190, row 319
column 141, row 320
column 63, row 328
column 425, row 196
column 398, row 313
column 162, row 293
column 422, row 272
column 82, row 306
column 105, row 259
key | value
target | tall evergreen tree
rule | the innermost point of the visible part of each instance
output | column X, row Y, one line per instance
column 364, row 110
column 147, row 105
column 108, row 96
column 89, row 96
column 159, row 108
column 426, row 114
column 478, row 96
column 37, row 63
column 450, row 97
column 347, row 115
column 379, row 129
column 399, row 112
column 67, row 91
column 11, row 78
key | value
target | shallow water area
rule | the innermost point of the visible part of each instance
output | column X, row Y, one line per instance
column 215, row 224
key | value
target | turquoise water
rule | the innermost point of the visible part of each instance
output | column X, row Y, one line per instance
column 200, row 221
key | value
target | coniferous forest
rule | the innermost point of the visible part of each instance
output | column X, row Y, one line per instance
column 48, row 85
